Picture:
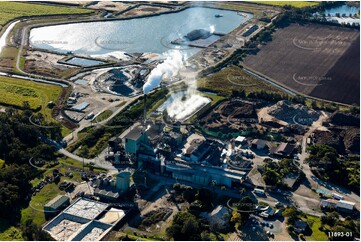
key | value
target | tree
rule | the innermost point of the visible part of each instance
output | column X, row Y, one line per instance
column 32, row 232
column 245, row 208
column 205, row 236
column 236, row 216
column 185, row 226
column 26, row 105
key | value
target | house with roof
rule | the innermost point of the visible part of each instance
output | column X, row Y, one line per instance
column 240, row 140
column 300, row 226
column 283, row 149
column 259, row 144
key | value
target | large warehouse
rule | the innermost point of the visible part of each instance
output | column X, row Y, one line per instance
column 84, row 220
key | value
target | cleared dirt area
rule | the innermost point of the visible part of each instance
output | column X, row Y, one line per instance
column 46, row 64
column 317, row 60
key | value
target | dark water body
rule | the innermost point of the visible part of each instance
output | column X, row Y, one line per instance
column 83, row 62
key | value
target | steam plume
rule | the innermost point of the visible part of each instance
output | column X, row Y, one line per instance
column 169, row 68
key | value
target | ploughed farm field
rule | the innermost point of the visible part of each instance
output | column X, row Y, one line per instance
column 317, row 60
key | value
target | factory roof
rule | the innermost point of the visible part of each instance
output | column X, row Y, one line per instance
column 57, row 202
column 135, row 133
column 106, row 193
column 86, row 208
column 193, row 168
column 92, row 232
column 81, row 106
column 345, row 205
column 78, row 222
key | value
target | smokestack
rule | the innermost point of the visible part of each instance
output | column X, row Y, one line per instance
column 145, row 109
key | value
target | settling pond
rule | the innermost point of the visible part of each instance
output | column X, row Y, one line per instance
column 138, row 35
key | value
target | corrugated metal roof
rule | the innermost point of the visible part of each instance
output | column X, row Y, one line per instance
column 57, row 202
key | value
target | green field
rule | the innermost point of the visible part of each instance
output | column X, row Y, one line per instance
column 234, row 78
column 104, row 115
column 296, row 4
column 11, row 10
column 15, row 92
column 315, row 224
column 35, row 209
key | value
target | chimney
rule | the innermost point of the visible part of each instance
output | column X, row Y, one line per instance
column 145, row 109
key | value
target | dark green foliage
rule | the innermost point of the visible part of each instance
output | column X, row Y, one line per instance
column 19, row 141
column 186, row 226
column 33, row 232
column 246, row 206
column 330, row 167
column 274, row 172
column 347, row 226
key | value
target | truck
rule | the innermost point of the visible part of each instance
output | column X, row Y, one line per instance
column 259, row 192
column 337, row 196
column 89, row 116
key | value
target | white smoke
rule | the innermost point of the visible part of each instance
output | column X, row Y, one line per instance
column 212, row 28
column 181, row 108
column 185, row 105
column 169, row 68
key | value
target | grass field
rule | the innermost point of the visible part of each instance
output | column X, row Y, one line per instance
column 296, row 4
column 35, row 209
column 104, row 115
column 15, row 92
column 11, row 10
column 234, row 78
column 315, row 224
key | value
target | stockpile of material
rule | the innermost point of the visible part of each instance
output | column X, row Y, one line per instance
column 293, row 113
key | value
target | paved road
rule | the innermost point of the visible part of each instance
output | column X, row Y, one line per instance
column 313, row 180
column 98, row 163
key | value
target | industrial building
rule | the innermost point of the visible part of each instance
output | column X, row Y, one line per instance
column 57, row 204
column 339, row 205
column 123, row 181
column 110, row 189
column 203, row 175
column 85, row 219
column 133, row 138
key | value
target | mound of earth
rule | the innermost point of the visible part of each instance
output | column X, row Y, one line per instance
column 238, row 110
column 293, row 113
column 351, row 139
column 345, row 119
column 332, row 138
column 230, row 116
column 343, row 140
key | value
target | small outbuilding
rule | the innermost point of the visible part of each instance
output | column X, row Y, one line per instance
column 57, row 204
